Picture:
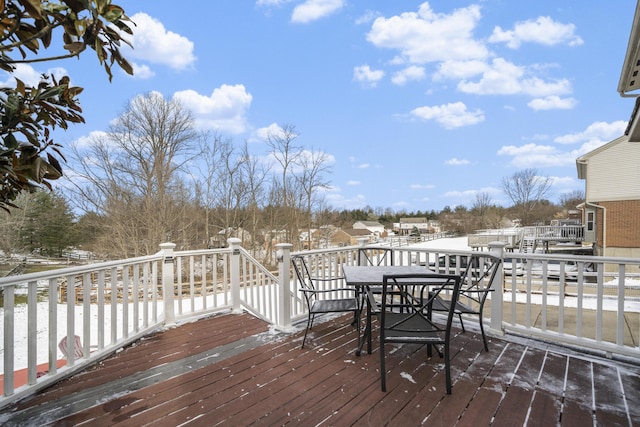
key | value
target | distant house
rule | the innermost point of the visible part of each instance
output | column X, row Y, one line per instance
column 374, row 227
column 406, row 225
column 611, row 212
column 349, row 236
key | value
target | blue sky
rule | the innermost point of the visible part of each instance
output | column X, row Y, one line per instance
column 419, row 105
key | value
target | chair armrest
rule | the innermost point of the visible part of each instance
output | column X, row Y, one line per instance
column 475, row 291
column 327, row 279
column 321, row 291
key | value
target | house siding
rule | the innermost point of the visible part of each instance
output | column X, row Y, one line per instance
column 614, row 172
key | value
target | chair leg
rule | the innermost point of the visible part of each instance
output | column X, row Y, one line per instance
column 309, row 323
column 484, row 338
column 383, row 371
column 447, row 367
column 461, row 322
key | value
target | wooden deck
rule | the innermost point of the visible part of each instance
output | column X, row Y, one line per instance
column 231, row 369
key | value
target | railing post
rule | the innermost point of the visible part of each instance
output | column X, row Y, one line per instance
column 362, row 243
column 283, row 255
column 497, row 249
column 234, row 244
column 168, row 284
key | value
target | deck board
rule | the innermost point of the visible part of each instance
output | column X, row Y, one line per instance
column 249, row 376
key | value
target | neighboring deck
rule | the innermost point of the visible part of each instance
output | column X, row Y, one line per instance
column 230, row 368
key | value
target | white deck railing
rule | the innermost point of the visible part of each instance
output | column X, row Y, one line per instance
column 112, row 304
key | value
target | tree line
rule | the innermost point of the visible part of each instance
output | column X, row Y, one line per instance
column 152, row 177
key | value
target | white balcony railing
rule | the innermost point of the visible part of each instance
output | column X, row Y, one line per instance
column 589, row 302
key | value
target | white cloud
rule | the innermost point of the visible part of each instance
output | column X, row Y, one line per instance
column 597, row 132
column 422, row 186
column 142, row 72
column 353, row 182
column 468, row 194
column 426, row 36
column 339, row 200
column 563, row 181
column 538, row 156
column 456, row 70
column 223, row 110
column 365, row 75
column 450, row 116
column 543, row 30
column 461, row 194
column 411, row 73
column 312, row 10
column 367, row 17
column 30, row 76
column 457, row 162
column 272, row 129
column 152, row 42
column 88, row 140
column 552, row 103
column 527, row 149
column 506, row 78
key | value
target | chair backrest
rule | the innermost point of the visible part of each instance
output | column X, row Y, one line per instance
column 480, row 271
column 375, row 256
column 304, row 279
column 412, row 295
column 479, row 274
column 302, row 272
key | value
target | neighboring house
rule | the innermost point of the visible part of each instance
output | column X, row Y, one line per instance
column 406, row 225
column 611, row 212
column 219, row 240
column 349, row 236
column 373, row 226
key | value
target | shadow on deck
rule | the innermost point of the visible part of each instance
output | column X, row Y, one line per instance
column 232, row 369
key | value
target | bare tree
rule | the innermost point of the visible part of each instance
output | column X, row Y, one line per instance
column 480, row 206
column 284, row 151
column 526, row 189
column 131, row 176
column 255, row 175
column 314, row 166
column 572, row 199
column 211, row 149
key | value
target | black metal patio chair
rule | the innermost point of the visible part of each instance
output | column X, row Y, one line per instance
column 322, row 300
column 477, row 280
column 375, row 256
column 405, row 315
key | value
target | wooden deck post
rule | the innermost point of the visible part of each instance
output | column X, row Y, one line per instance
column 234, row 244
column 497, row 249
column 168, row 283
column 283, row 255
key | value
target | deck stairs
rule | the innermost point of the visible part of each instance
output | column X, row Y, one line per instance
column 528, row 244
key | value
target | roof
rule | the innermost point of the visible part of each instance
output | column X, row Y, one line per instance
column 413, row 220
column 629, row 83
column 371, row 223
column 357, row 232
column 629, row 77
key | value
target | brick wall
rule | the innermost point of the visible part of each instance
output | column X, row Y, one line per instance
column 623, row 223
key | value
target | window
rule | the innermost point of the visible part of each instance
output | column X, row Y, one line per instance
column 591, row 219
